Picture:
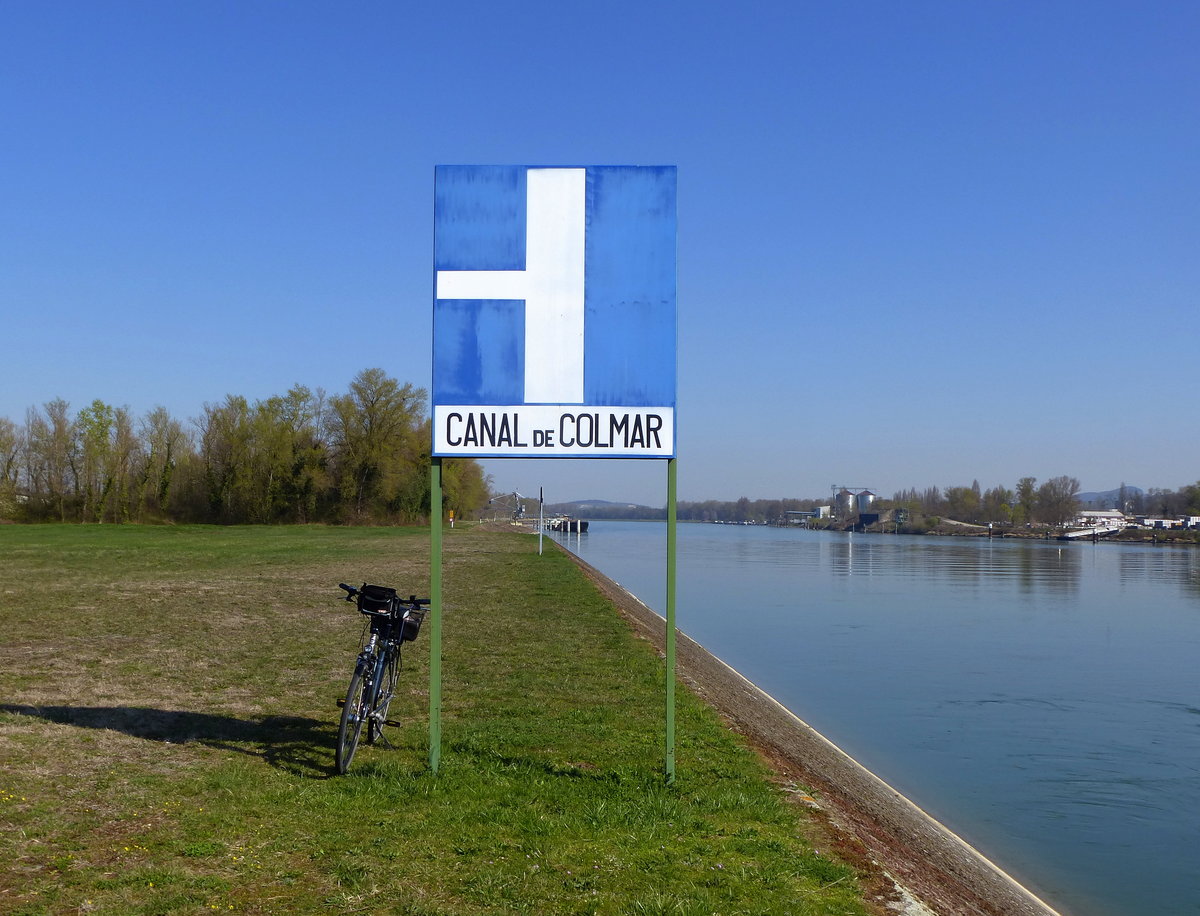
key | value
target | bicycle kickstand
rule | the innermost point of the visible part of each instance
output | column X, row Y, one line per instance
column 382, row 738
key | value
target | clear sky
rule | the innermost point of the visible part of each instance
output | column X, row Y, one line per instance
column 920, row 243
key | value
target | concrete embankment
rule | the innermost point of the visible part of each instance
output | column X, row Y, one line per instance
column 925, row 859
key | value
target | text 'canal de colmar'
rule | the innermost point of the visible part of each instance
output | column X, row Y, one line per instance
column 587, row 430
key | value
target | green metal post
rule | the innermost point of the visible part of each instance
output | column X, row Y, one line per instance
column 435, row 613
column 670, row 762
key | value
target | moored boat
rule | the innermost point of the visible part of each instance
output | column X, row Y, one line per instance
column 1095, row 524
column 567, row 523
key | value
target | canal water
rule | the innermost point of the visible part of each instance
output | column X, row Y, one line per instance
column 1041, row 699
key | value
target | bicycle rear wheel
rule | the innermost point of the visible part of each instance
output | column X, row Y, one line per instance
column 354, row 715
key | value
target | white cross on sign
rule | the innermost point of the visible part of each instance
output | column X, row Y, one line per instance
column 551, row 285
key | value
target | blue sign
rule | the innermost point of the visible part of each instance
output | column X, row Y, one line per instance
column 554, row 323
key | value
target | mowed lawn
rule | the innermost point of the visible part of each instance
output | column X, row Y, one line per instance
column 168, row 714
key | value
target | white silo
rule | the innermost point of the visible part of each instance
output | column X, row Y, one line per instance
column 866, row 501
column 845, row 505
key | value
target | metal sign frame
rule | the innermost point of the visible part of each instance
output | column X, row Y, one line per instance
column 554, row 335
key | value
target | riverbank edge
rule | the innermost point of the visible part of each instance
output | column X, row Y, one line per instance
column 925, row 859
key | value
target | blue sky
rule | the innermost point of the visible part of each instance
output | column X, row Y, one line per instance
column 919, row 243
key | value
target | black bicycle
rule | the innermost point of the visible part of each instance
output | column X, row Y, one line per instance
column 391, row 622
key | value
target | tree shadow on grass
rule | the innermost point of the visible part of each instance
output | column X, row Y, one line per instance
column 292, row 743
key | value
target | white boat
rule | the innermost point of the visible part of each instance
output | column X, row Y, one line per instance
column 1089, row 531
column 1098, row 523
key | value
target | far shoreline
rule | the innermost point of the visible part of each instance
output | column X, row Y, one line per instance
column 1177, row 537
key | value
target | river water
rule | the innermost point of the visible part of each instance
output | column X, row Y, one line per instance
column 1041, row 699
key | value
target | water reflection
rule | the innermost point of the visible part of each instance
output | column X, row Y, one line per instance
column 1034, row 566
column 1178, row 566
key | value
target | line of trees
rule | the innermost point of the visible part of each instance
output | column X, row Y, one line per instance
column 361, row 458
column 1168, row 503
column 1052, row 502
column 741, row 510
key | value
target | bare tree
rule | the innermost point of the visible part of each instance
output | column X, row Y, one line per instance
column 379, row 453
column 1057, row 500
column 11, row 447
column 1026, row 500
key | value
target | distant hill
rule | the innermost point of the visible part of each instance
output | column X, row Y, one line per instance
column 597, row 504
column 603, row 508
column 1108, row 499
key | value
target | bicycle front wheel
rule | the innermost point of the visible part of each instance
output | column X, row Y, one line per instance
column 385, row 677
column 355, row 713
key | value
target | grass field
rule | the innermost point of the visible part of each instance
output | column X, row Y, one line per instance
column 167, row 719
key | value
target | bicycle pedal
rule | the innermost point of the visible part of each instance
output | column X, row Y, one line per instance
column 392, row 723
column 341, row 702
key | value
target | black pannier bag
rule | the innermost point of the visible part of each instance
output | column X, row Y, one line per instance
column 375, row 599
column 412, row 624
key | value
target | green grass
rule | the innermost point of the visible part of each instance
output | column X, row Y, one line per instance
column 167, row 719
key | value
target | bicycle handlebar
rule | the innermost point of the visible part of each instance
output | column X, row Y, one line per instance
column 411, row 601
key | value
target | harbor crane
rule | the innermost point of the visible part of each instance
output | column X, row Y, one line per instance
column 511, row 502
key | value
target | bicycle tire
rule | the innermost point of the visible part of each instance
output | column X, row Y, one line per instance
column 386, row 674
column 354, row 714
